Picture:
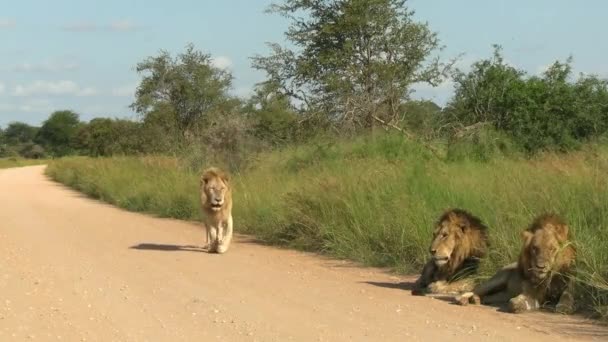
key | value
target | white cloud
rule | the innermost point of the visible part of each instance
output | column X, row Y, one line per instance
column 53, row 88
column 82, row 26
column 126, row 90
column 7, row 23
column 30, row 106
column 44, row 67
column 36, row 106
column 123, row 26
column 221, row 62
column 2, row 88
column 88, row 26
column 87, row 91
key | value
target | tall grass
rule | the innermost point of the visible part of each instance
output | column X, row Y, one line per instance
column 375, row 199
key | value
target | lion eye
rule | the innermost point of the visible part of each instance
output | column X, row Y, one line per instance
column 444, row 235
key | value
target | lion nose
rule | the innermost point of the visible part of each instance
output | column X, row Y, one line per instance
column 433, row 251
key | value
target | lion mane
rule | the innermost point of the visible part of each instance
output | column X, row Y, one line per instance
column 460, row 240
column 216, row 206
column 540, row 277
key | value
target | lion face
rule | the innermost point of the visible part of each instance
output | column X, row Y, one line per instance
column 541, row 250
column 215, row 187
column 446, row 237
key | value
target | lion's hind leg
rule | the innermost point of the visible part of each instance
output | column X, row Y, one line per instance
column 491, row 288
column 454, row 287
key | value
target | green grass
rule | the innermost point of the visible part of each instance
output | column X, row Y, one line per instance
column 375, row 200
column 6, row 163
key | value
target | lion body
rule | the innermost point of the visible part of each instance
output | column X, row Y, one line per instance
column 216, row 205
column 459, row 241
column 541, row 276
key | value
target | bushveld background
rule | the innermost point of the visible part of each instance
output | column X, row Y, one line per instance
column 330, row 154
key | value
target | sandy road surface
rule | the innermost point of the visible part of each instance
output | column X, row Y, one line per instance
column 73, row 269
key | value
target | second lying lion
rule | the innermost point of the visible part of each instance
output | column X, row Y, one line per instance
column 540, row 277
column 460, row 240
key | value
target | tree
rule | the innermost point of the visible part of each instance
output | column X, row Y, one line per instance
column 275, row 119
column 188, row 87
column 488, row 92
column 105, row 137
column 421, row 116
column 538, row 112
column 19, row 133
column 353, row 59
column 58, row 131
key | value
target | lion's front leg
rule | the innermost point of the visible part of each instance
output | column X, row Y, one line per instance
column 207, row 234
column 565, row 305
column 220, row 233
column 212, row 239
column 425, row 279
column 224, row 243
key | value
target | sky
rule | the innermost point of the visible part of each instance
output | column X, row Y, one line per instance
column 81, row 54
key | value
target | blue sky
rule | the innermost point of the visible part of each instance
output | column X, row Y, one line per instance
column 80, row 55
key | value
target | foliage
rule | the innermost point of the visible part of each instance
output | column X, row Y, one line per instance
column 19, row 162
column 105, row 137
column 19, row 133
column 188, row 85
column 352, row 59
column 58, row 131
column 538, row 112
column 275, row 121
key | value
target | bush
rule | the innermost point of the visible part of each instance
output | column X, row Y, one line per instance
column 539, row 112
column 482, row 144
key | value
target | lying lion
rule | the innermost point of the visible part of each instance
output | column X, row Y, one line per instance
column 540, row 277
column 216, row 204
column 459, row 241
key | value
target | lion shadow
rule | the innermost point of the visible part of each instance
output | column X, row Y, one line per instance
column 168, row 248
column 405, row 285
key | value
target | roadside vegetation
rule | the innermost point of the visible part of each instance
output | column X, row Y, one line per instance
column 6, row 163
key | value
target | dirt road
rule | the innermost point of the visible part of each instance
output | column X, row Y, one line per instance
column 73, row 269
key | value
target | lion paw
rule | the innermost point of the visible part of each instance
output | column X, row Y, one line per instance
column 517, row 305
column 418, row 291
column 521, row 304
column 437, row 287
column 565, row 305
column 468, row 298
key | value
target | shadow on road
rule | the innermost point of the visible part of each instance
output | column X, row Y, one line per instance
column 407, row 286
column 168, row 248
